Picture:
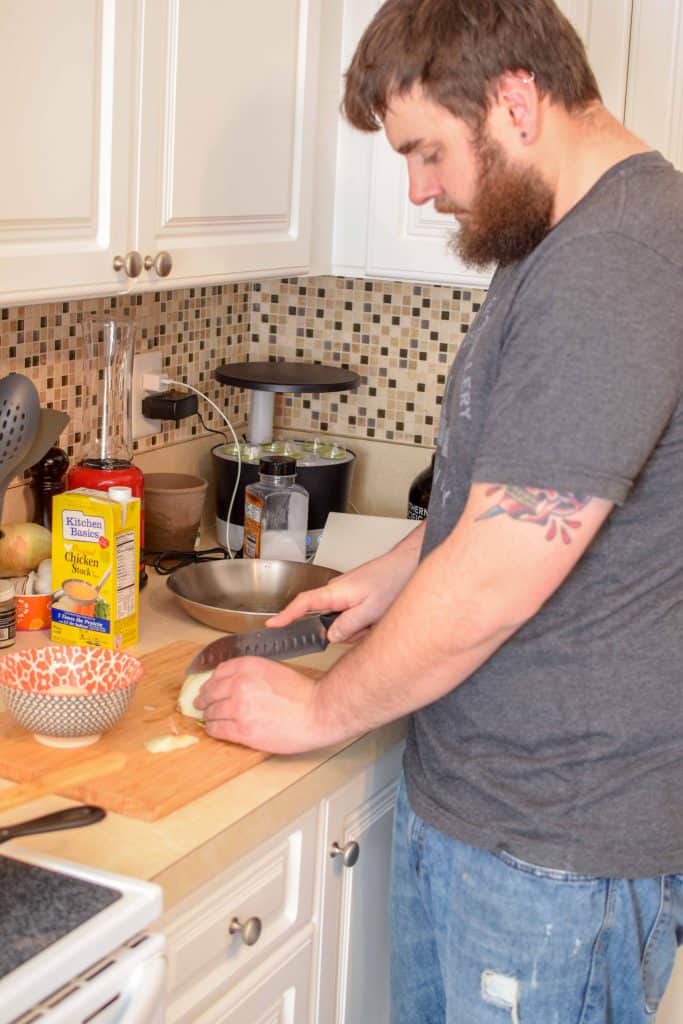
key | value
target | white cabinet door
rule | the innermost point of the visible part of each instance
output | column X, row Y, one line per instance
column 66, row 76
column 227, row 126
column 377, row 230
column 654, row 101
column 605, row 29
column 415, row 239
column 353, row 955
column 350, row 199
column 239, row 922
column 407, row 241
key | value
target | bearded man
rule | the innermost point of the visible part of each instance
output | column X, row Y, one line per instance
column 532, row 626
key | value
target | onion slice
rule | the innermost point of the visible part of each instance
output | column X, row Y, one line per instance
column 164, row 744
column 189, row 690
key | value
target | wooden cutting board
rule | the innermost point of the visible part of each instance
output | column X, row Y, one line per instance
column 148, row 786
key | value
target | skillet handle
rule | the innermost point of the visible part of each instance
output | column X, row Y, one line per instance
column 69, row 817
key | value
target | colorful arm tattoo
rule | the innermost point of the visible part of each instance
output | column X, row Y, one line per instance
column 540, row 506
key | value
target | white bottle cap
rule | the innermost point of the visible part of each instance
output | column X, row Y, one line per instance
column 121, row 495
column 6, row 590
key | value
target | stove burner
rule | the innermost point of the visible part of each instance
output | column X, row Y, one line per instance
column 38, row 907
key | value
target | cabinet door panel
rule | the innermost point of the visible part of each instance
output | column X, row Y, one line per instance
column 66, row 72
column 353, row 963
column 406, row 240
column 378, row 232
column 276, row 994
column 605, row 30
column 273, row 883
column 243, row 136
column 657, row 30
column 227, row 124
column 352, row 201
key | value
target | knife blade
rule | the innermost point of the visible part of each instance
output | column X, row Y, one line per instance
column 305, row 636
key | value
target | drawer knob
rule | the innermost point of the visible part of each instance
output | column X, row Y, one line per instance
column 131, row 263
column 162, row 263
column 348, row 853
column 250, row 930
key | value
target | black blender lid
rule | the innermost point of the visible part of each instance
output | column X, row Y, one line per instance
column 277, row 465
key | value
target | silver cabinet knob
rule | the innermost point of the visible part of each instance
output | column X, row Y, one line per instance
column 349, row 853
column 131, row 263
column 250, row 930
column 162, row 263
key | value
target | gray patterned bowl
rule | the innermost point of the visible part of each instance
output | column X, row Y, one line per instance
column 67, row 696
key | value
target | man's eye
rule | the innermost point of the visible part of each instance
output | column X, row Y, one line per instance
column 430, row 158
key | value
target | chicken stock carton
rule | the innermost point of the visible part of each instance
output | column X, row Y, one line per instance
column 95, row 551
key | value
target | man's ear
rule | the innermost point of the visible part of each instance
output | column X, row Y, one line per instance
column 517, row 103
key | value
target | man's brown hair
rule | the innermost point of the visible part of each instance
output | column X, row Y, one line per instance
column 457, row 49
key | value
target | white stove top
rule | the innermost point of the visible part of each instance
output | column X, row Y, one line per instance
column 134, row 905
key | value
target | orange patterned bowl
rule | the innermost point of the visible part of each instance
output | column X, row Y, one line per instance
column 67, row 696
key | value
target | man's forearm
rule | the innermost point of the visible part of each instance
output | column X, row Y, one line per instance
column 405, row 555
column 428, row 630
column 408, row 549
column 431, row 639
column 464, row 600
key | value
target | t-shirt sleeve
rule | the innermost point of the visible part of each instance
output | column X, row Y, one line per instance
column 590, row 373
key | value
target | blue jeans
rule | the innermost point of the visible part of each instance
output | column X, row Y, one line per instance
column 484, row 938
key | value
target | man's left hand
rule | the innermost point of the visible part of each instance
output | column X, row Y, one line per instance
column 262, row 704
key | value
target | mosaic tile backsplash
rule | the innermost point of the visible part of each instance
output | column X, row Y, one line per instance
column 399, row 337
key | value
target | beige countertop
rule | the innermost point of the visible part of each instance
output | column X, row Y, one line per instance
column 191, row 845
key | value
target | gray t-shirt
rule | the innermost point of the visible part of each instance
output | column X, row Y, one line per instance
column 566, row 748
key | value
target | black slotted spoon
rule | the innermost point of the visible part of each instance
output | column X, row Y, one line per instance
column 19, row 419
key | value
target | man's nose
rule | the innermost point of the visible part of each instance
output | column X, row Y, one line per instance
column 422, row 185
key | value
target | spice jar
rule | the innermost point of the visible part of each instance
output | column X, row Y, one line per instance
column 8, row 614
column 276, row 512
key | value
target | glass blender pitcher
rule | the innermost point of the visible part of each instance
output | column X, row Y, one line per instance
column 107, row 460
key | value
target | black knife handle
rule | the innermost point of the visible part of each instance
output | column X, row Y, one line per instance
column 327, row 618
column 69, row 817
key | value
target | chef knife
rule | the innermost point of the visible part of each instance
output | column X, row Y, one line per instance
column 305, row 636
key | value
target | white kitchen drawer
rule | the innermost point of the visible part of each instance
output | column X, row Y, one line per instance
column 274, row 883
column 279, row 992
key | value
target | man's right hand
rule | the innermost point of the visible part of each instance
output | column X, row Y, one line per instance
column 361, row 595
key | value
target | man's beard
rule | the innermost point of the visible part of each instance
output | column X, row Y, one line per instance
column 510, row 214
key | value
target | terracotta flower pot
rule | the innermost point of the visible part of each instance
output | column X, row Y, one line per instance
column 173, row 510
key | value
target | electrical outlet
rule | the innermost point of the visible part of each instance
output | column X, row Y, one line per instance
column 144, row 362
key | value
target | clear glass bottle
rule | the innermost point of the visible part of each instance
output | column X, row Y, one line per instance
column 107, row 457
column 276, row 512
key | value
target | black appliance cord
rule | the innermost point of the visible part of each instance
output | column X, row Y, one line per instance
column 166, row 562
